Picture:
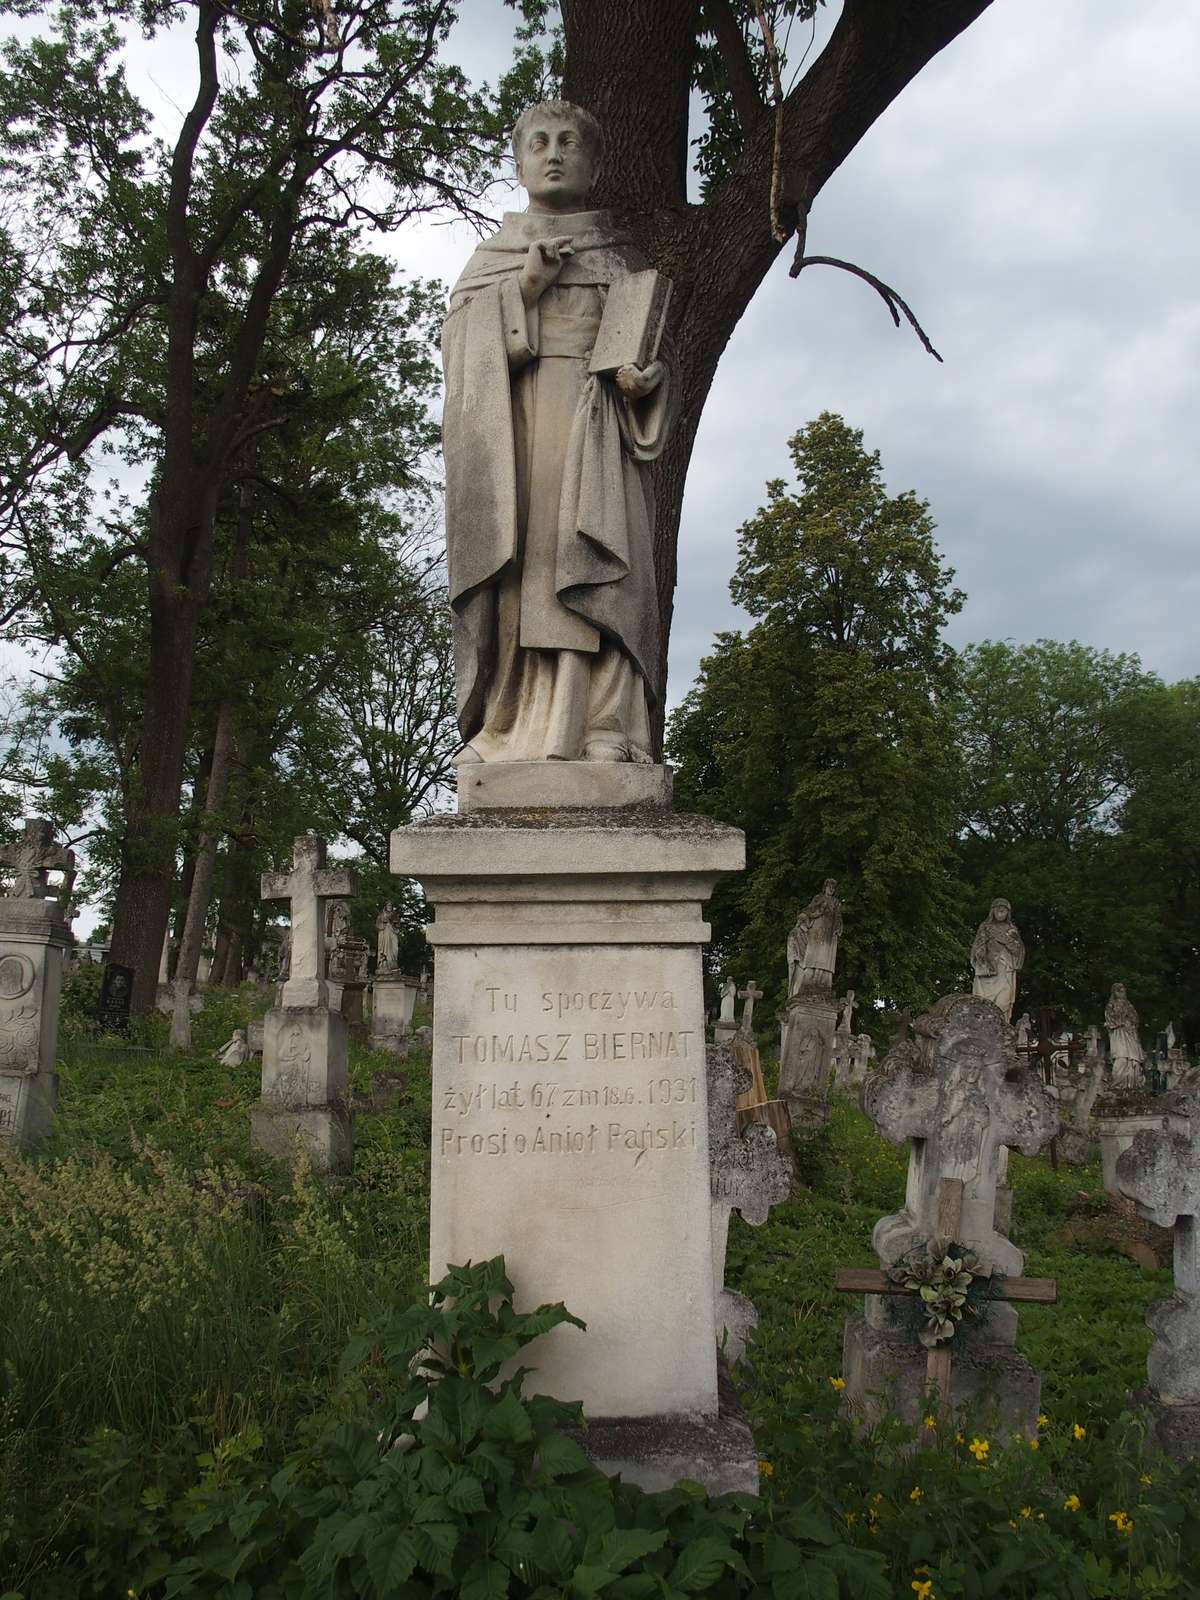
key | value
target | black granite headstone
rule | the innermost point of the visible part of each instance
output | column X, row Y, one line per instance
column 116, row 993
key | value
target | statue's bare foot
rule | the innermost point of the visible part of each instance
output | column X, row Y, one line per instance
column 611, row 747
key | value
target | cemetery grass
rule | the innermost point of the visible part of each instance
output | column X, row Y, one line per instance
column 173, row 1308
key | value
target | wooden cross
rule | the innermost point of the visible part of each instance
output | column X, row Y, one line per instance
column 866, row 1280
column 32, row 857
column 308, row 885
column 749, row 994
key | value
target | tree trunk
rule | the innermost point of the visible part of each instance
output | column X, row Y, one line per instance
column 188, row 963
column 631, row 66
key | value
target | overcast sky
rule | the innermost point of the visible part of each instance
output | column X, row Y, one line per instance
column 1031, row 194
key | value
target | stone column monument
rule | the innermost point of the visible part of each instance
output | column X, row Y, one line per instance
column 570, row 1127
column 810, row 1015
column 393, row 994
column 33, row 936
column 304, row 1036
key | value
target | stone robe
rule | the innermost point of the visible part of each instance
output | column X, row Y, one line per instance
column 997, row 955
column 549, row 505
column 813, row 944
column 1124, row 1044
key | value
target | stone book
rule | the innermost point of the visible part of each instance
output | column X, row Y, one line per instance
column 631, row 327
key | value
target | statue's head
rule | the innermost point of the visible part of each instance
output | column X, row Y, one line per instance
column 1118, row 991
column 1001, row 911
column 831, row 887
column 558, row 147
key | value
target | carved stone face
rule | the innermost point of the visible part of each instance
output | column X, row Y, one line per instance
column 555, row 165
column 1000, row 911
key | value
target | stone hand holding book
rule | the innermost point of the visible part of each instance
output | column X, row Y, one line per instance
column 631, row 326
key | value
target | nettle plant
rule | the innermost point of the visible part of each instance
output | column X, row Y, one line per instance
column 439, row 1475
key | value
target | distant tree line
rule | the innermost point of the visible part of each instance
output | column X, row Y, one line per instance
column 850, row 741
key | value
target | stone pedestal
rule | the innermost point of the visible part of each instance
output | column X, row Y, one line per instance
column 304, row 1088
column 570, row 1117
column 393, row 998
column 521, row 785
column 806, row 1056
column 1116, row 1135
column 32, row 939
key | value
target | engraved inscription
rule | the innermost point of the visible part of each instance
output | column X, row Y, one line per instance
column 585, row 1059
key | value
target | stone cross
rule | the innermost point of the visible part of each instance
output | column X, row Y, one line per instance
column 748, row 1173
column 977, row 1098
column 1160, row 1172
column 308, row 886
column 961, row 1094
column 749, row 994
column 32, row 857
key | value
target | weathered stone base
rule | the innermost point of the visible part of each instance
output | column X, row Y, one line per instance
column 656, row 1452
column 737, row 1318
column 325, row 1133
column 27, row 1106
column 886, row 1372
column 530, row 785
column 1116, row 1134
column 1176, row 1430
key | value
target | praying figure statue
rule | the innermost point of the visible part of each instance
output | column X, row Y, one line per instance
column 1124, row 1046
column 997, row 955
column 846, row 1012
column 337, row 926
column 813, row 941
column 388, row 943
column 729, row 1001
column 549, row 473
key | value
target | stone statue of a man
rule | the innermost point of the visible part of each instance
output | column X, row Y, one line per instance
column 549, row 491
column 997, row 955
column 813, row 942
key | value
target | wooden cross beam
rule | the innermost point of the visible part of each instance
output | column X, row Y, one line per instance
column 865, row 1280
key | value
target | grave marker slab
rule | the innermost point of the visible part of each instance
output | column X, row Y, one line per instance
column 1160, row 1172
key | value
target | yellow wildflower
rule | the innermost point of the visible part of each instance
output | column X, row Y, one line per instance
column 1026, row 1511
column 1035, row 1444
column 1121, row 1522
column 931, row 1422
column 979, row 1449
column 923, row 1588
column 1146, row 1477
column 1043, row 1420
column 1072, row 1503
column 916, row 1493
column 765, row 1469
column 958, row 1439
column 837, row 1383
column 1078, row 1431
column 851, row 1518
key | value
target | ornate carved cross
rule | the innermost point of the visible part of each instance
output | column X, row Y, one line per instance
column 35, row 855
column 308, row 886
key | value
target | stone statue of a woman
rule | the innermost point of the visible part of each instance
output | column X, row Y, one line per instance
column 997, row 955
column 1124, row 1045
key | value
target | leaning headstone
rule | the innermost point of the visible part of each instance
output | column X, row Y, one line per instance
column 33, row 936
column 748, row 1173
column 960, row 1094
column 304, row 1077
column 1160, row 1172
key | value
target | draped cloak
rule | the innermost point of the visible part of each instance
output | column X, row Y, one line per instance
column 544, row 459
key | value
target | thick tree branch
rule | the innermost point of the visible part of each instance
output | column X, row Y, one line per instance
column 739, row 69
column 894, row 302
